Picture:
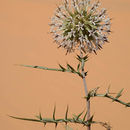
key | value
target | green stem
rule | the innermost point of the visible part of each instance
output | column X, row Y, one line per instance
column 69, row 120
column 53, row 69
column 113, row 99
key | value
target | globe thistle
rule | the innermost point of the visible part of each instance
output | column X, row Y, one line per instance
column 78, row 24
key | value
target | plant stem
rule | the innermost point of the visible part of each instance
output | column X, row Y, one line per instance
column 113, row 99
column 52, row 69
column 86, row 91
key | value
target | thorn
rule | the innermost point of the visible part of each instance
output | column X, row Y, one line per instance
column 85, row 116
column 108, row 90
column 40, row 116
column 71, row 68
column 66, row 122
column 59, row 46
column 85, row 57
column 95, row 52
column 78, row 67
column 66, row 114
column 67, row 52
column 78, row 116
column 99, row 46
column 54, row 112
column 119, row 94
column 91, row 119
column 44, row 124
column 56, row 125
column 63, row 69
column 86, row 73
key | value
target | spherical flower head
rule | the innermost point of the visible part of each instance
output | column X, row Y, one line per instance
column 78, row 24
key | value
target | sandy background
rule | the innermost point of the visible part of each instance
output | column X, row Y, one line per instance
column 25, row 92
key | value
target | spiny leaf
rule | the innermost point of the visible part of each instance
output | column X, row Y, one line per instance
column 66, row 114
column 119, row 94
column 78, row 66
column 41, row 67
column 70, row 120
column 54, row 112
column 79, row 74
column 27, row 119
column 62, row 67
column 95, row 52
column 85, row 57
column 79, row 58
column 71, row 68
column 108, row 90
column 39, row 116
column 86, row 73
column 74, row 117
column 85, row 60
column 56, row 125
column 96, row 89
column 85, row 116
column 91, row 118
column 44, row 124
column 78, row 116
column 83, row 48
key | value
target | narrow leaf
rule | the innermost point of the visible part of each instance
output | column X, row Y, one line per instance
column 71, row 68
column 79, row 58
column 95, row 52
column 91, row 118
column 86, row 73
column 85, row 58
column 39, row 116
column 41, row 67
column 62, row 67
column 108, row 90
column 66, row 114
column 74, row 117
column 27, row 119
column 54, row 112
column 78, row 66
column 80, row 74
column 78, row 116
column 119, row 94
column 85, row 116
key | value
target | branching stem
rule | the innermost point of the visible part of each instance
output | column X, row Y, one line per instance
column 113, row 99
column 53, row 69
column 66, row 121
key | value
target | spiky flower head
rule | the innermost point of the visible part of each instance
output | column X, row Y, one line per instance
column 80, row 24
